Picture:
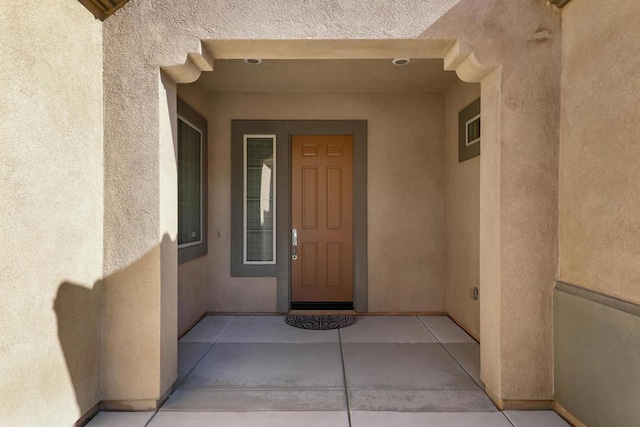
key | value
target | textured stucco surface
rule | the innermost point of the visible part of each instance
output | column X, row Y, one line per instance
column 139, row 183
column 597, row 347
column 406, row 265
column 599, row 247
column 519, row 209
column 193, row 289
column 462, row 214
column 193, row 283
column 518, row 186
column 52, row 181
column 220, row 292
column 51, row 187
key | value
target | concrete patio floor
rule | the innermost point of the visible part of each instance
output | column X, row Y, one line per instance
column 382, row 371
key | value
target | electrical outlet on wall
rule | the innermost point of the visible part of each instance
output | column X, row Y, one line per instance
column 475, row 293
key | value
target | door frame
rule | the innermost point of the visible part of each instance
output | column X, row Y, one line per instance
column 284, row 130
column 318, row 227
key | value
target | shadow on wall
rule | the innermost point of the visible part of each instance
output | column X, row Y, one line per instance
column 82, row 316
column 78, row 310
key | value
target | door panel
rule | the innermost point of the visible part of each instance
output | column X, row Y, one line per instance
column 335, row 267
column 335, row 196
column 309, row 259
column 322, row 212
column 310, row 197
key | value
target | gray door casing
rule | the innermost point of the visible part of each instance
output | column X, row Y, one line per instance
column 284, row 130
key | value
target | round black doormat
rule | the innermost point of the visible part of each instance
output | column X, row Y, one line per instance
column 320, row 322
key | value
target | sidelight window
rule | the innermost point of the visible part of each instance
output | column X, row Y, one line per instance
column 259, row 246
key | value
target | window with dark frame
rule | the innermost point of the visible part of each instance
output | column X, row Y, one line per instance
column 472, row 127
column 259, row 199
column 469, row 132
column 192, row 173
column 189, row 188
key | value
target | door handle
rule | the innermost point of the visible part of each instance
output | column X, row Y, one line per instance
column 294, row 244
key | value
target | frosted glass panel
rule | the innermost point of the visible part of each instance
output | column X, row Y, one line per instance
column 259, row 199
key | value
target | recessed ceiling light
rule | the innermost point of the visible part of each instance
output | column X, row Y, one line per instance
column 253, row 61
column 401, row 61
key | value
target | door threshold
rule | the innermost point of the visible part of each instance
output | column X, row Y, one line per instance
column 329, row 305
column 323, row 313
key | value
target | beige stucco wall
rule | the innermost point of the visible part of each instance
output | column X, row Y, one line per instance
column 193, row 289
column 518, row 185
column 193, row 283
column 53, row 107
column 51, row 182
column 140, row 203
column 597, row 346
column 462, row 215
column 599, row 244
column 406, row 194
column 519, row 39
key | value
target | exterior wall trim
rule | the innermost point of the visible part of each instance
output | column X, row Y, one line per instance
column 568, row 416
column 596, row 375
column 515, row 404
column 615, row 303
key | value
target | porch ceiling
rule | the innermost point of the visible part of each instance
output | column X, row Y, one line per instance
column 327, row 75
column 328, row 49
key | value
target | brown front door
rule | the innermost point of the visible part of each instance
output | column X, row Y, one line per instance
column 322, row 215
